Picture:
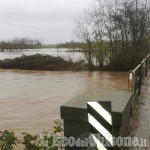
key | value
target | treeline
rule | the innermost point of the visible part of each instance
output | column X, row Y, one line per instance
column 20, row 43
column 115, row 36
column 49, row 46
column 73, row 46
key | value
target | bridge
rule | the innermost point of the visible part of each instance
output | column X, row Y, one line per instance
column 108, row 112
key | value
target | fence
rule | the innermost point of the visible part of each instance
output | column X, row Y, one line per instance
column 137, row 76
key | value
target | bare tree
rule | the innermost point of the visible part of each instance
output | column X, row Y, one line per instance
column 83, row 31
column 118, row 35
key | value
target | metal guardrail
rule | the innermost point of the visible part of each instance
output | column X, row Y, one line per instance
column 137, row 76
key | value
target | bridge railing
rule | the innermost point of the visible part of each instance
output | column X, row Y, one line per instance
column 137, row 76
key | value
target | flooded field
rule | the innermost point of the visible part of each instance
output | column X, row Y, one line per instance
column 64, row 53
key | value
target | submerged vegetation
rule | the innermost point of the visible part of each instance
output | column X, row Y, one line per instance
column 115, row 36
column 41, row 62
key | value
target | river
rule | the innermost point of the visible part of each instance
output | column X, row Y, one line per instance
column 30, row 100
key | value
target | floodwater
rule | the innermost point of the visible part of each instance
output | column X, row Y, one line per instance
column 64, row 53
column 30, row 100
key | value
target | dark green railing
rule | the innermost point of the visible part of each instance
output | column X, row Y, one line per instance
column 137, row 76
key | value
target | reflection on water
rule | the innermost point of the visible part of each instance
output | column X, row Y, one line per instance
column 30, row 100
column 75, row 56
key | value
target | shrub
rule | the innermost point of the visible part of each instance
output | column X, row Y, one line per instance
column 39, row 62
column 7, row 140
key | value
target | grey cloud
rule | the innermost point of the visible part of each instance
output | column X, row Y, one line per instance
column 55, row 14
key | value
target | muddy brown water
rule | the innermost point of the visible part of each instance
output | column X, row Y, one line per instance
column 30, row 100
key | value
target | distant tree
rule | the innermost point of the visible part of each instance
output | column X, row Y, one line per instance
column 20, row 43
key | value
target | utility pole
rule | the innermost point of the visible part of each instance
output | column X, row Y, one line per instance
column 118, row 5
column 119, row 8
column 136, row 3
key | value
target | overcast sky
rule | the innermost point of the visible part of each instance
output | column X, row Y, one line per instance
column 48, row 14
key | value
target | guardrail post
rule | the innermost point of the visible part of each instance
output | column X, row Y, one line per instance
column 140, row 83
column 131, row 81
column 146, row 66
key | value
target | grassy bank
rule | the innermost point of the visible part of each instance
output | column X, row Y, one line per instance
column 41, row 62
